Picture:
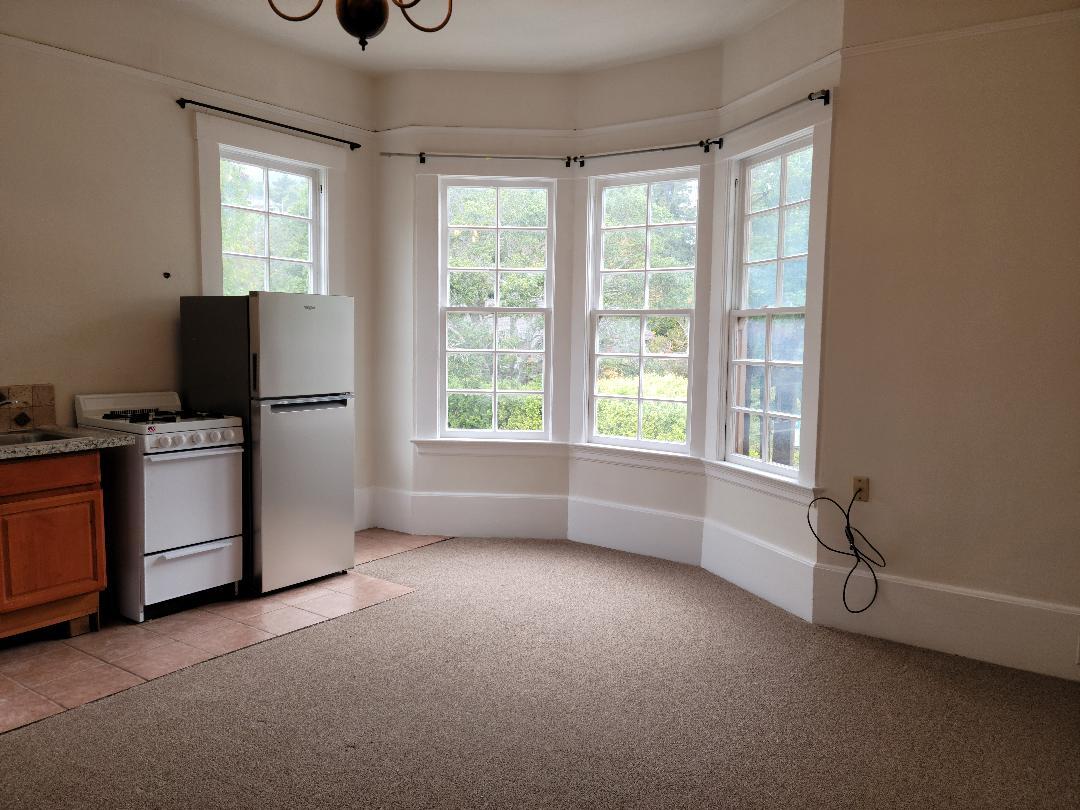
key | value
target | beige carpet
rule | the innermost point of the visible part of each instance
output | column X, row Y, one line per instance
column 549, row 674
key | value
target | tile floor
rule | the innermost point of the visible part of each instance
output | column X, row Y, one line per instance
column 42, row 678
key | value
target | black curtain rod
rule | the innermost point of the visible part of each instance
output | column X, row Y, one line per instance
column 183, row 102
column 824, row 96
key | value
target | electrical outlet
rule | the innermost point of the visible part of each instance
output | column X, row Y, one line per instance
column 862, row 486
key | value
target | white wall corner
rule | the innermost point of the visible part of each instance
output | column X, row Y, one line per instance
column 1014, row 632
column 667, row 535
column 362, row 508
column 775, row 574
column 391, row 509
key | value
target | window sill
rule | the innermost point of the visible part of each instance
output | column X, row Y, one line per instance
column 489, row 447
column 760, row 481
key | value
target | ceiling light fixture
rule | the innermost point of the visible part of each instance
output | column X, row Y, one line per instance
column 365, row 19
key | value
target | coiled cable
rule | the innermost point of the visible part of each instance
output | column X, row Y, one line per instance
column 861, row 557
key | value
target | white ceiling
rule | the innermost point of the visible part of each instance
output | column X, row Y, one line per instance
column 545, row 36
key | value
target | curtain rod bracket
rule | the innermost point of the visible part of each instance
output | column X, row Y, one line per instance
column 822, row 95
column 423, row 157
column 705, row 144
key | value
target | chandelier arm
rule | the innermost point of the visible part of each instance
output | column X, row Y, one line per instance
column 414, row 24
column 298, row 18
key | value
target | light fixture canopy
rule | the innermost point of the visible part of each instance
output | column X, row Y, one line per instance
column 365, row 19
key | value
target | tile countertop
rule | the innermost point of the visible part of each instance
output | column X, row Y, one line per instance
column 77, row 440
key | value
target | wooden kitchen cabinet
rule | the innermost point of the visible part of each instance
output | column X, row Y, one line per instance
column 52, row 541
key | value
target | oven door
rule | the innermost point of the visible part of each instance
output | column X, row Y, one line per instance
column 193, row 496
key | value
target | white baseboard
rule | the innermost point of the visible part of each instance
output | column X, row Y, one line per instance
column 362, row 508
column 667, row 535
column 471, row 514
column 773, row 573
column 1015, row 632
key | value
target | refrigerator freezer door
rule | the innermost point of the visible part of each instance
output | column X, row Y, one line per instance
column 302, row 489
column 301, row 345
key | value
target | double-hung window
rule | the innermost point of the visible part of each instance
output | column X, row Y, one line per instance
column 271, row 233
column 768, row 314
column 642, row 289
column 496, row 258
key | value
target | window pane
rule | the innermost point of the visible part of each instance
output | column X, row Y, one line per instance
column 667, row 334
column 671, row 290
column 289, row 193
column 794, row 283
column 471, row 289
column 785, row 389
column 663, row 421
column 665, row 379
column 673, row 201
column 748, row 435
column 521, row 332
column 750, row 338
column 471, row 248
column 240, row 275
column 469, row 330
column 469, row 371
column 765, row 185
column 521, row 372
column 523, row 207
column 617, row 417
column 784, row 442
column 796, row 229
column 624, row 250
column 618, row 334
column 468, row 411
column 761, row 237
column 799, row 166
column 787, row 338
column 749, row 386
column 760, row 285
column 521, row 412
column 617, row 375
column 466, row 205
column 292, row 277
column 243, row 232
column 672, row 246
column 624, row 205
column 242, row 184
column 523, row 249
column 622, row 291
column 290, row 238
column 521, row 289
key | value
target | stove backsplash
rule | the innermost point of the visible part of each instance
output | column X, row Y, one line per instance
column 27, row 406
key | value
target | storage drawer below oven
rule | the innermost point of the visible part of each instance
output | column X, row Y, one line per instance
column 192, row 569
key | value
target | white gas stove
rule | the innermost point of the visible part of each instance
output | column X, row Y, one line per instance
column 174, row 508
column 160, row 419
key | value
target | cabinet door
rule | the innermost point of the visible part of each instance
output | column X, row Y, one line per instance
column 51, row 548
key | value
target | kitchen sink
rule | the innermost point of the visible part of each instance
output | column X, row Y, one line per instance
column 31, row 437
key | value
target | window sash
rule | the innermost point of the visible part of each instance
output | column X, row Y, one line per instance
column 445, row 309
column 315, row 263
column 737, row 312
column 596, row 273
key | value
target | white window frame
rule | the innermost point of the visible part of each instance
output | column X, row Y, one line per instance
column 597, row 184
column 548, row 310
column 289, row 152
column 317, row 176
column 811, row 126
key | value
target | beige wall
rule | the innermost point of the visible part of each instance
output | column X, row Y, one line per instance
column 951, row 351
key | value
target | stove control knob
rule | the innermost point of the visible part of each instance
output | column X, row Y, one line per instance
column 163, row 441
column 178, row 439
column 227, row 435
column 215, row 435
column 196, row 438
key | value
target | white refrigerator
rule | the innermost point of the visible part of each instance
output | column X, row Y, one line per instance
column 284, row 362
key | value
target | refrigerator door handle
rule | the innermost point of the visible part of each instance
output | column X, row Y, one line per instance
column 309, row 405
column 255, row 371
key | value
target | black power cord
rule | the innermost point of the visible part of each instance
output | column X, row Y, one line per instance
column 861, row 557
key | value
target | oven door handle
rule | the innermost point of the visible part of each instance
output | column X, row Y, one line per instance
column 183, row 454
column 193, row 550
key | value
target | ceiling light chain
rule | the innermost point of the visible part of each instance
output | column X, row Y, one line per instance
column 365, row 19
